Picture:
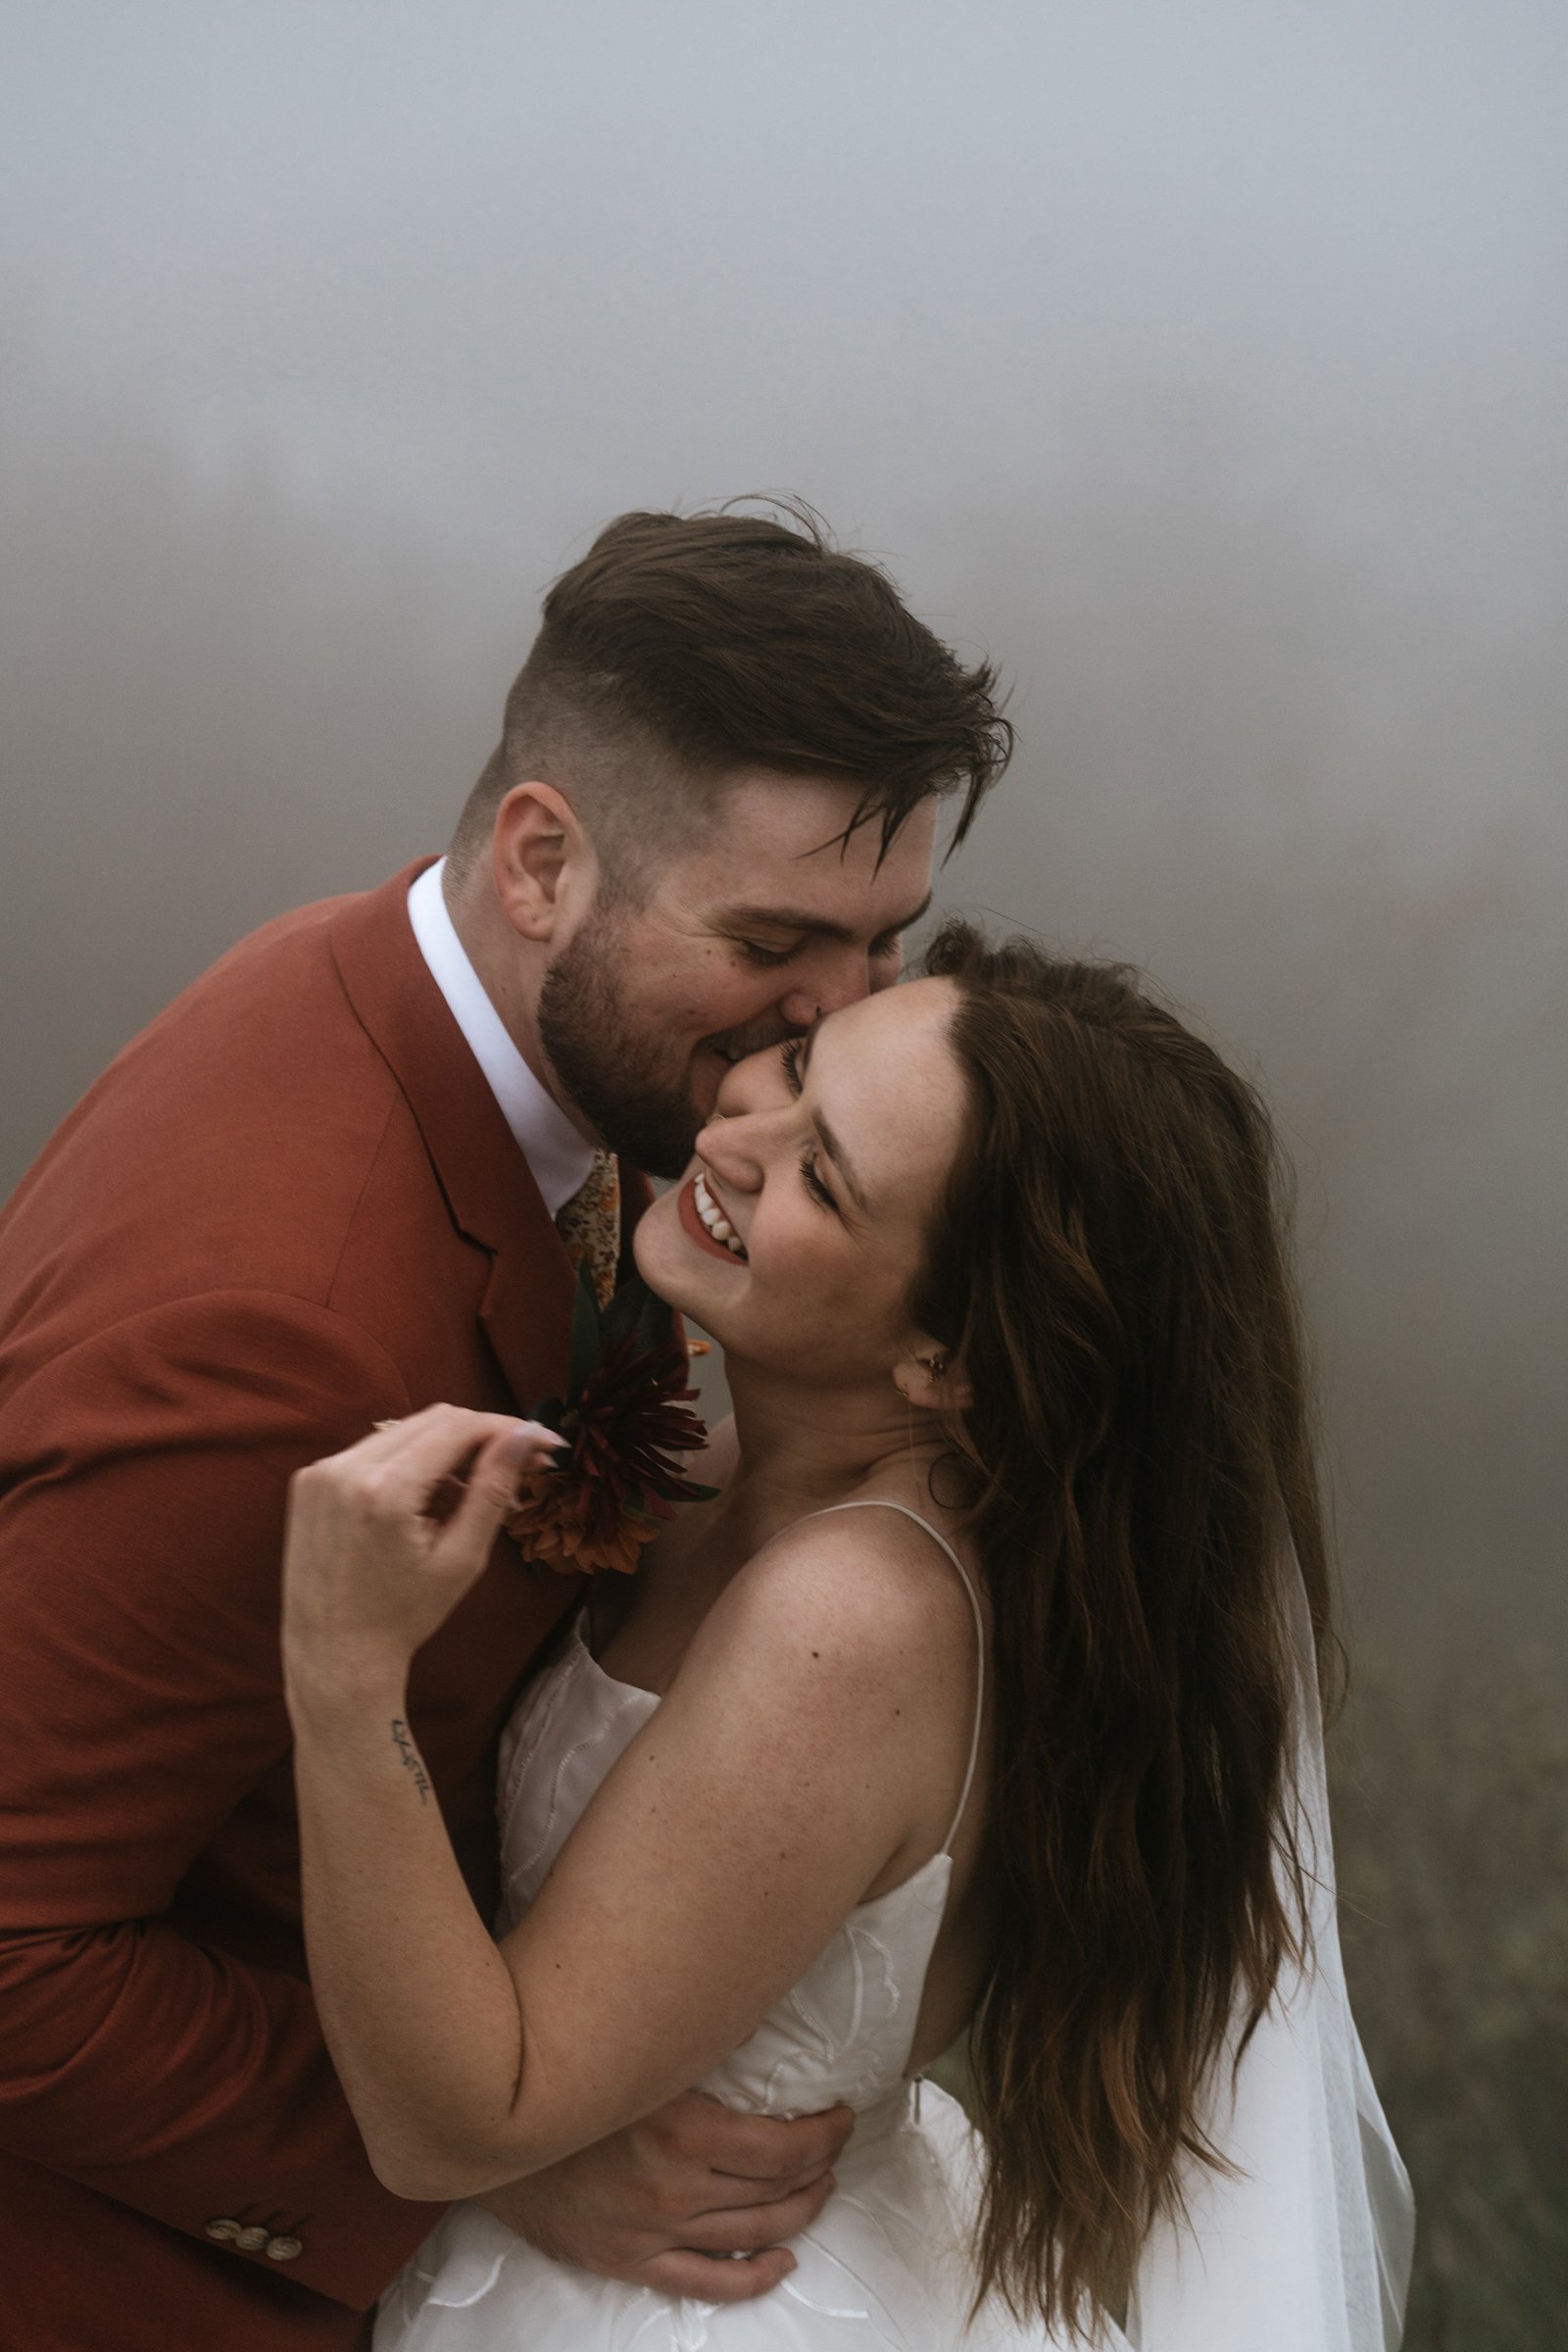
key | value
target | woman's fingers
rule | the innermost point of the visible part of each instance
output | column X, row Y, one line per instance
column 384, row 1538
column 492, row 1486
column 401, row 1466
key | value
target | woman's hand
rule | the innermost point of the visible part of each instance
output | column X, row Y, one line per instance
column 385, row 1538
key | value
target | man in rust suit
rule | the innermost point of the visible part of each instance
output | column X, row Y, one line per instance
column 346, row 1174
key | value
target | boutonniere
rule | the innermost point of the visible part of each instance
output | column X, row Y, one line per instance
column 627, row 1421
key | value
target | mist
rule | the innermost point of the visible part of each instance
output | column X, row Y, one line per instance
column 1208, row 367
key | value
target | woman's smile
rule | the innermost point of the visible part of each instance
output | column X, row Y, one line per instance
column 705, row 1222
column 817, row 1173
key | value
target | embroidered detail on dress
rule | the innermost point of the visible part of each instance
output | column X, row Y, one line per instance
column 828, row 2311
column 670, row 2318
column 689, row 2324
column 538, row 1711
column 456, row 2302
column 857, row 1937
column 880, row 2324
column 526, row 1862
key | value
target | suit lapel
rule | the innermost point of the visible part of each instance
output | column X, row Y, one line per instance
column 487, row 1183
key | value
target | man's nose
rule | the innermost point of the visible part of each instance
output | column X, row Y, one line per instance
column 829, row 982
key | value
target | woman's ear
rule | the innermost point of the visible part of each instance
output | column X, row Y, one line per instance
column 546, row 873
column 928, row 1377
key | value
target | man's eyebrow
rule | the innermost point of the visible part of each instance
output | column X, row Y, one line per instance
column 807, row 919
column 830, row 1142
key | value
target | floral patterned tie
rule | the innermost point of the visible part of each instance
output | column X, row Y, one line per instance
column 589, row 1225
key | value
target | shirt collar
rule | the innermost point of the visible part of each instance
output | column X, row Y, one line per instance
column 559, row 1157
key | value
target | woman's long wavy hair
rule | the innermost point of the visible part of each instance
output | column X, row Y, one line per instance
column 1108, row 1264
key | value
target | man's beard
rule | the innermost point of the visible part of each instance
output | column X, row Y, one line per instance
column 609, row 1072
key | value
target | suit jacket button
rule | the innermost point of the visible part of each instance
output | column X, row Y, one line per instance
column 222, row 2230
column 253, row 2239
column 285, row 2249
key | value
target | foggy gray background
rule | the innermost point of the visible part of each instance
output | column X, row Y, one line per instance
column 1205, row 363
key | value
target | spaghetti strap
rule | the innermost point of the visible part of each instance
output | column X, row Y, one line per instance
column 876, row 1502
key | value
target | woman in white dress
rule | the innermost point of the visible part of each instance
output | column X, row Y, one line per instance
column 984, row 1691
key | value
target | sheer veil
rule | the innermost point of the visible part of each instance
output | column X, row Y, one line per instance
column 1306, row 2245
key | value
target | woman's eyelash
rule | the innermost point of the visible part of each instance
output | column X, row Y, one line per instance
column 789, row 1055
column 815, row 1184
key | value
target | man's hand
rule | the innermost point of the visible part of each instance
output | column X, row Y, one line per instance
column 664, row 2203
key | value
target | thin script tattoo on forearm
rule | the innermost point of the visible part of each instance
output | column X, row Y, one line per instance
column 403, row 1742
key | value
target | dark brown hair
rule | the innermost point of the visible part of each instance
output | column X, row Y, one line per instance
column 1108, row 1263
column 684, row 646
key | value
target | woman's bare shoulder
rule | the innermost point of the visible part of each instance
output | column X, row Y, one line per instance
column 848, row 1593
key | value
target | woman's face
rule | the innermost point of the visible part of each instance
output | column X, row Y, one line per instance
column 825, row 1161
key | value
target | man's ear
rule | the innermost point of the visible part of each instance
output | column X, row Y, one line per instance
column 929, row 1378
column 546, row 873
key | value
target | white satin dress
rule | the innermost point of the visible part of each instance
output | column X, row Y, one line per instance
column 885, row 2266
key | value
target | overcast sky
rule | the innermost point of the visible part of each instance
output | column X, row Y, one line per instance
column 1207, row 364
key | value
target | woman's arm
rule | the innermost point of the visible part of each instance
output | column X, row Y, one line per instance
column 776, row 1780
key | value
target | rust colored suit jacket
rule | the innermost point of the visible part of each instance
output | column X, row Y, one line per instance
column 290, row 1209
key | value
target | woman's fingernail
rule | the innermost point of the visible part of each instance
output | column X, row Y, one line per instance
column 530, row 1439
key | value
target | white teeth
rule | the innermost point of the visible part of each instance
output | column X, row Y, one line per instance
column 714, row 1220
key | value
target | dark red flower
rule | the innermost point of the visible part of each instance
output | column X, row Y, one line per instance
column 627, row 1419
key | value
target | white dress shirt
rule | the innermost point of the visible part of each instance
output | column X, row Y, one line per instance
column 559, row 1157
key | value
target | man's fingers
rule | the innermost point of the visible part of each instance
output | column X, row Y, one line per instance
column 762, row 2148
column 708, row 2281
column 748, row 2228
column 760, row 2192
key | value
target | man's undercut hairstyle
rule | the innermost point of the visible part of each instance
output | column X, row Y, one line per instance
column 685, row 647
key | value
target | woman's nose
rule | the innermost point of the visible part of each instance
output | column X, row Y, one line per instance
column 728, row 1145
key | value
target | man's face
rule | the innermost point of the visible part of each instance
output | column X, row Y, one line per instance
column 742, row 941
